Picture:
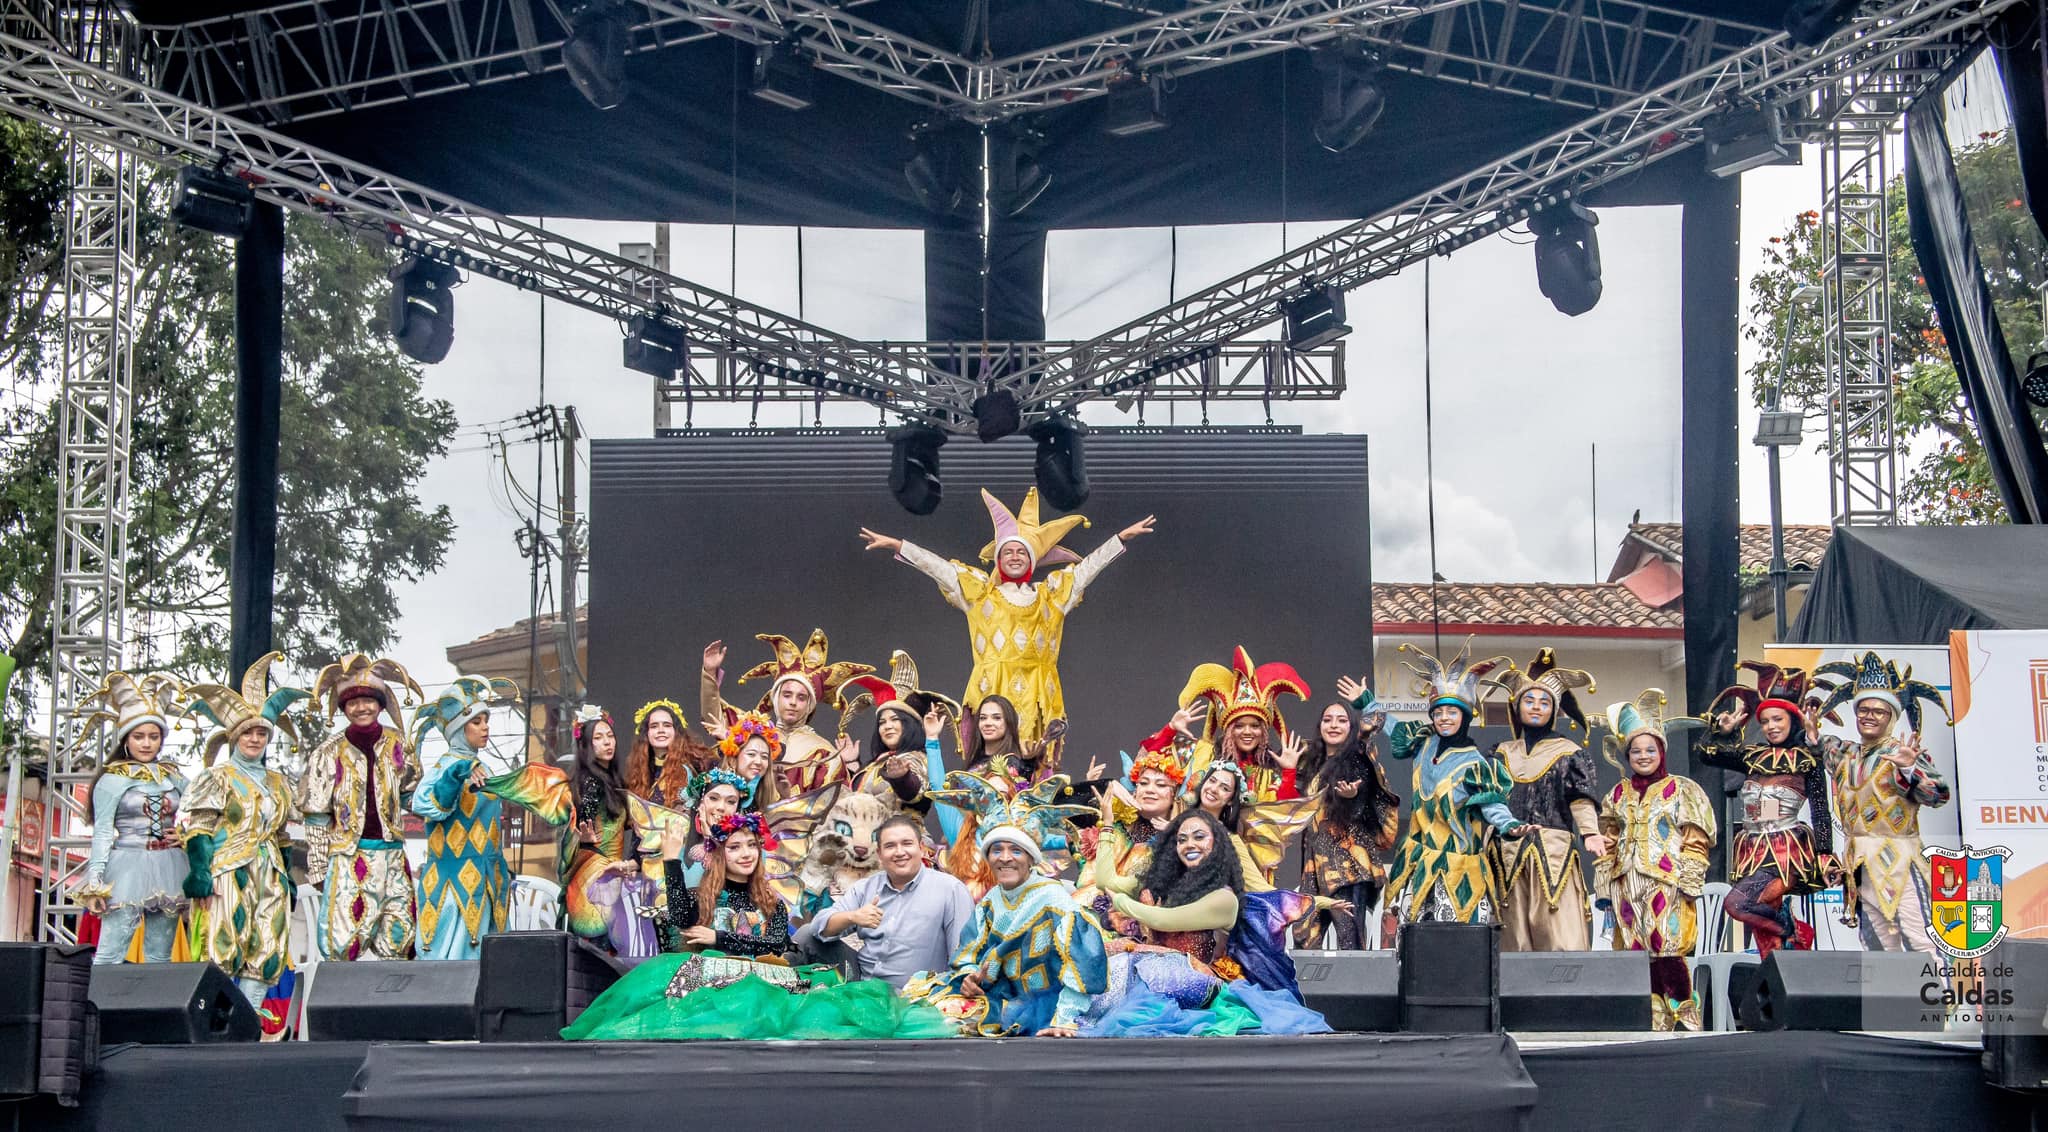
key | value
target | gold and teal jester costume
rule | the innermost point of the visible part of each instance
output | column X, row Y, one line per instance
column 232, row 822
column 465, row 884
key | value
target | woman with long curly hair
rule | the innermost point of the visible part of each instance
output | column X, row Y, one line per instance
column 664, row 757
column 1344, row 851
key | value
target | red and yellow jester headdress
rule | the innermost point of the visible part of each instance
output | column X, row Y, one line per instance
column 1242, row 689
column 807, row 664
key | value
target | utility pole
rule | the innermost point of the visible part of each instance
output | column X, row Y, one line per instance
column 569, row 679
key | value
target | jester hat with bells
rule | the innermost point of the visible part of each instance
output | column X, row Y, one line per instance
column 1776, row 687
column 1643, row 715
column 1872, row 677
column 862, row 692
column 357, row 675
column 466, row 698
column 1040, row 540
column 255, row 704
column 1026, row 819
column 1544, row 673
column 1460, row 681
column 1242, row 689
column 128, row 702
column 808, row 665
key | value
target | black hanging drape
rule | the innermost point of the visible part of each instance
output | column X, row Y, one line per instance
column 2023, row 64
column 1710, row 383
column 1962, row 302
column 953, row 285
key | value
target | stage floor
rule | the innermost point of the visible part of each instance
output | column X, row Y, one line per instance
column 1572, row 1083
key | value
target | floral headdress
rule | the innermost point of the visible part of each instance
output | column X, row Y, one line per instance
column 591, row 713
column 1872, row 677
column 717, row 776
column 1242, row 689
column 1162, row 761
column 750, row 727
column 1226, row 766
column 648, row 708
column 750, row 823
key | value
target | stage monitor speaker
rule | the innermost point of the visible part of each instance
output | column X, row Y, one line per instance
column 531, row 984
column 1843, row 990
column 1355, row 991
column 47, row 1024
column 404, row 1000
column 171, row 1004
column 2016, row 1015
column 1575, row 990
column 1450, row 978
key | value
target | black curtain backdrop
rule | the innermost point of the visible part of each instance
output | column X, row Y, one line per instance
column 1710, row 395
column 953, row 286
column 1912, row 585
column 1962, row 301
column 2023, row 64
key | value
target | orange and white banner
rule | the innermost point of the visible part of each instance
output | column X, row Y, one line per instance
column 2001, row 705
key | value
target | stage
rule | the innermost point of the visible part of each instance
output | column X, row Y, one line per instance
column 1580, row 1083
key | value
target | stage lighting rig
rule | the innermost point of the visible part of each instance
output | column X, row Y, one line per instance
column 212, row 200
column 656, row 347
column 1567, row 256
column 1352, row 97
column 2034, row 385
column 783, row 75
column 1061, row 476
column 1810, row 23
column 944, row 169
column 823, row 382
column 1748, row 138
column 996, row 415
column 1131, row 107
column 1314, row 317
column 1016, row 177
column 914, row 467
column 595, row 53
column 423, row 308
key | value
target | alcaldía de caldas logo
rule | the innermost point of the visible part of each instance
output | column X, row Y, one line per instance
column 1966, row 915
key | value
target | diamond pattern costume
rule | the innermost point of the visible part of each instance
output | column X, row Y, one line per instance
column 137, row 865
column 1878, row 805
column 353, row 796
column 1540, row 876
column 1662, row 827
column 465, row 884
column 1015, row 625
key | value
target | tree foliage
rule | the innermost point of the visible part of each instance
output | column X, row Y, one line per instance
column 357, row 431
column 1950, row 481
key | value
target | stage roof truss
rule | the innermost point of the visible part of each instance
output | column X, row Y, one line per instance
column 313, row 58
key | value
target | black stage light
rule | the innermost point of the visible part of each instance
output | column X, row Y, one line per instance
column 914, row 467
column 2034, row 385
column 1314, row 317
column 783, row 75
column 423, row 308
column 1015, row 175
column 1061, row 476
column 944, row 169
column 1132, row 107
column 1809, row 23
column 1746, row 139
column 212, row 201
column 1567, row 256
column 996, row 415
column 656, row 347
column 1352, row 98
column 595, row 53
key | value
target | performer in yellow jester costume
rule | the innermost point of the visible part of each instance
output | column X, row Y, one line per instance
column 1014, row 624
column 232, row 822
column 353, row 796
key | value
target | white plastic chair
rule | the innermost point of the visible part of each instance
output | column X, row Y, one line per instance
column 1712, row 956
column 308, row 947
column 536, row 905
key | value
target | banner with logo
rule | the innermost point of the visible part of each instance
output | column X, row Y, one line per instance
column 2001, row 703
column 1940, row 825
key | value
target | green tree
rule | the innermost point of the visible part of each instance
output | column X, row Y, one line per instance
column 357, row 431
column 1951, row 481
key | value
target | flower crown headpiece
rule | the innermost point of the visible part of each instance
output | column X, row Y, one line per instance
column 750, row 823
column 1244, row 785
column 1162, row 761
column 750, row 727
column 675, row 709
column 717, row 776
column 591, row 713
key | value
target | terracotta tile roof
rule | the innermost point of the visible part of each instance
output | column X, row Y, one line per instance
column 1544, row 605
column 518, row 632
column 1805, row 543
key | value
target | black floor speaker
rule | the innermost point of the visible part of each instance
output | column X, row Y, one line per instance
column 171, row 1004
column 2016, row 1015
column 1843, row 990
column 1450, row 978
column 48, row 1027
column 1575, row 990
column 1355, row 991
column 402, row 1000
column 531, row 984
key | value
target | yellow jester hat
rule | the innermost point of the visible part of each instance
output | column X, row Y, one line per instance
column 1041, row 539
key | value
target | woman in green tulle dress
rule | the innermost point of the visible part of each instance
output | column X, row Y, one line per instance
column 732, row 982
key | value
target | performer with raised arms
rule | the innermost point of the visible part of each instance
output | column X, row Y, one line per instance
column 1014, row 625
column 1239, row 712
column 799, row 679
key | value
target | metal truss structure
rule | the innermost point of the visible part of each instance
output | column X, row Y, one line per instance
column 93, row 408
column 311, row 58
column 1856, row 306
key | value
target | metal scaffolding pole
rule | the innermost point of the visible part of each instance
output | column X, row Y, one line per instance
column 1856, row 304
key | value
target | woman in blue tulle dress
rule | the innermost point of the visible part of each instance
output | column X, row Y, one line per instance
column 1177, row 980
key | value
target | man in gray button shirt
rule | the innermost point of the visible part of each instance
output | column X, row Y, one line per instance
column 906, row 918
